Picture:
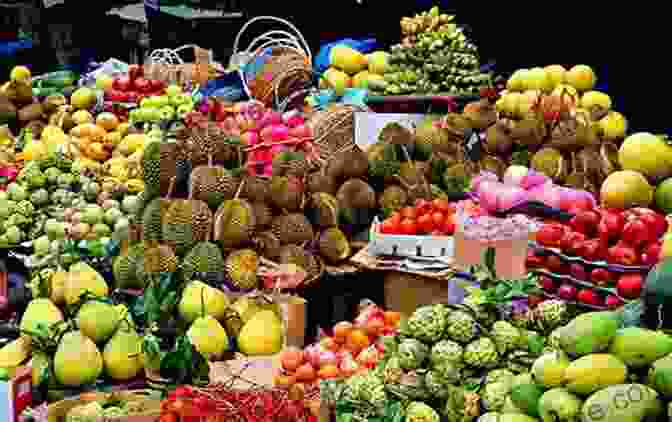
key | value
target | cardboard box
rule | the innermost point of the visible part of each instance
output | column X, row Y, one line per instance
column 245, row 372
column 406, row 245
column 405, row 294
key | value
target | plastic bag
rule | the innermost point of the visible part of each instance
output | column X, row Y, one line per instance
column 321, row 61
column 495, row 196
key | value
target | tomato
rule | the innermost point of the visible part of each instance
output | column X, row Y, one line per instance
column 389, row 227
column 395, row 217
column 449, row 227
column 438, row 218
column 441, row 205
column 183, row 392
column 408, row 226
column 409, row 212
column 168, row 417
column 423, row 206
column 425, row 223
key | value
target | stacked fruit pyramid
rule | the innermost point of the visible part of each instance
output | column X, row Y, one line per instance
column 435, row 56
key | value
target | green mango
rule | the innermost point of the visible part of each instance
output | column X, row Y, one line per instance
column 591, row 332
column 640, row 347
column 526, row 398
column 622, row 403
column 660, row 376
column 559, row 405
column 593, row 372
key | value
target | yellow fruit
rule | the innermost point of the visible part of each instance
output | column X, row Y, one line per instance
column 338, row 81
column 107, row 121
column 626, row 189
column 133, row 142
column 347, row 59
column 581, row 77
column 537, row 79
column 262, row 335
column 517, row 81
column 361, row 80
column 20, row 74
column 98, row 320
column 58, row 287
column 15, row 353
column 594, row 372
column 122, row 355
column 549, row 369
column 208, row 336
column 83, row 98
column 81, row 279
column 378, row 62
column 77, row 360
column 135, row 185
column 41, row 313
column 35, row 151
column 647, row 154
column 556, row 74
column 81, row 117
column 595, row 99
column 613, row 126
column 104, row 82
column 198, row 297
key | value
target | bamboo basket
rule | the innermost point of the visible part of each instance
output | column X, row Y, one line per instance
column 334, row 130
column 59, row 410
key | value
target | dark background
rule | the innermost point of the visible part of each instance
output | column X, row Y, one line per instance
column 626, row 44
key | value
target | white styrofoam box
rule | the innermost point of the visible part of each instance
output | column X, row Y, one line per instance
column 406, row 245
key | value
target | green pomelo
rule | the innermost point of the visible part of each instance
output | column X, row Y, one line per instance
column 40, row 313
column 77, row 360
column 122, row 355
column 97, row 320
column 663, row 196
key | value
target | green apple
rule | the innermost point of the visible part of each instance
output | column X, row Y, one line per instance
column 147, row 102
column 153, row 114
column 161, row 101
column 181, row 99
column 136, row 115
column 173, row 90
column 167, row 112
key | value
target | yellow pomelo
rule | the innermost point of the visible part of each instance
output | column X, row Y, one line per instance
column 77, row 360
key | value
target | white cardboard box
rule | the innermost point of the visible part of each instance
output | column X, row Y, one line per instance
column 407, row 245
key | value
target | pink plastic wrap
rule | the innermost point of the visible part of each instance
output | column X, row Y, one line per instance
column 533, row 179
column 482, row 177
column 568, row 198
column 547, row 193
column 496, row 196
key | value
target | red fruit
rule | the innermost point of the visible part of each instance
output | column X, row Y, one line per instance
column 629, row 286
column 550, row 235
column 425, row 223
column 567, row 292
column 534, row 261
column 656, row 222
column 570, row 241
column 438, row 218
column 622, row 254
column 613, row 302
column 547, row 284
column 589, row 297
column 395, row 217
column 408, row 227
column 156, row 85
column 183, row 392
column 423, row 206
column 578, row 271
column 449, row 227
column 591, row 250
column 409, row 212
column 600, row 276
column 534, row 300
column 389, row 227
column 441, row 205
column 651, row 254
column 121, row 84
column 556, row 265
column 613, row 223
column 585, row 222
column 132, row 97
column 637, row 233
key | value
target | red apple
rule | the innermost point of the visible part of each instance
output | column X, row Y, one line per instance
column 613, row 302
column 121, row 84
column 547, row 284
column 657, row 223
column 629, row 286
column 610, row 226
column 591, row 250
column 570, row 241
column 550, row 235
column 585, row 221
column 578, row 271
column 637, row 233
column 589, row 297
column 142, row 85
column 135, row 71
column 600, row 276
column 157, row 85
column 567, row 292
column 556, row 265
column 651, row 254
column 132, row 97
column 622, row 254
column 533, row 260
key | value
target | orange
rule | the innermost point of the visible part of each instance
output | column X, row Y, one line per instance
column 342, row 330
column 282, row 380
column 328, row 372
column 375, row 326
column 305, row 373
column 392, row 318
column 291, row 359
column 357, row 340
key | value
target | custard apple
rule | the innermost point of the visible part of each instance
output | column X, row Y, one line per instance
column 412, row 353
column 461, row 327
column 446, row 351
column 506, row 336
column 481, row 353
column 420, row 412
column 428, row 323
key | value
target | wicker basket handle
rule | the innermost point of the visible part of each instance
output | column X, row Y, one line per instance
column 296, row 39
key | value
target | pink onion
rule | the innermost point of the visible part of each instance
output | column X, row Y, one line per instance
column 279, row 132
column 294, row 120
column 204, row 108
column 278, row 148
column 569, row 197
column 514, row 175
column 482, row 176
column 268, row 169
column 313, row 354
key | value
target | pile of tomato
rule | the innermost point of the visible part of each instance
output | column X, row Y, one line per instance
column 436, row 218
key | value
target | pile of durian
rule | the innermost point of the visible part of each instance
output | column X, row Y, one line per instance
column 202, row 214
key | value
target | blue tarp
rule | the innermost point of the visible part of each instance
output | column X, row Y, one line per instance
column 8, row 49
column 321, row 60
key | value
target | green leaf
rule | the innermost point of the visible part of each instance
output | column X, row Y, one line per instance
column 535, row 343
column 472, row 387
column 344, row 417
column 489, row 261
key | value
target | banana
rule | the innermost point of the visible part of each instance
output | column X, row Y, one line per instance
column 135, row 185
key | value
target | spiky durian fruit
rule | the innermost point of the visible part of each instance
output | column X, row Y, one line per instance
column 393, row 198
column 234, row 223
column 320, row 181
column 213, row 185
column 263, row 215
column 267, row 244
column 334, row 246
column 206, row 260
column 255, row 188
column 322, row 210
column 125, row 267
column 395, row 133
column 186, row 222
column 289, row 163
column 151, row 169
column 356, row 194
column 159, row 259
column 241, row 269
column 287, row 192
column 293, row 228
column 297, row 255
column 348, row 164
column 152, row 219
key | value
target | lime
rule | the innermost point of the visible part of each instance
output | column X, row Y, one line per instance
column 4, row 374
column 663, row 196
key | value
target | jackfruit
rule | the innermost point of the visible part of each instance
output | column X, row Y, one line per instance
column 205, row 259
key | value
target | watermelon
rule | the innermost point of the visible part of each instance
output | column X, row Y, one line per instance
column 657, row 296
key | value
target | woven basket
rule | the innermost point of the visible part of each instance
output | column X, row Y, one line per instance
column 152, row 412
column 334, row 129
